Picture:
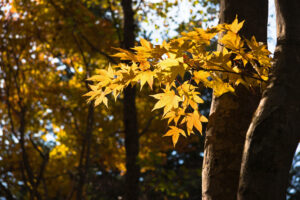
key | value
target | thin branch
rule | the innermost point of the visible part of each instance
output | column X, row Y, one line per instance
column 114, row 21
column 59, row 10
column 82, row 54
column 225, row 71
column 25, row 180
column 36, row 147
column 9, row 108
column 45, row 158
column 111, row 59
column 42, row 169
column 85, row 153
column 147, row 126
column 45, row 187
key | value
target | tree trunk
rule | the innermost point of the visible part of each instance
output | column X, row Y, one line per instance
column 130, row 114
column 231, row 114
column 84, row 163
column 274, row 133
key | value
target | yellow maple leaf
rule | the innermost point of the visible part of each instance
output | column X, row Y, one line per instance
column 212, row 81
column 235, row 26
column 232, row 41
column 125, row 55
column 174, row 115
column 219, row 87
column 167, row 63
column 146, row 76
column 101, row 98
column 145, row 43
column 103, row 77
column 194, row 120
column 202, row 76
column 168, row 100
column 175, row 132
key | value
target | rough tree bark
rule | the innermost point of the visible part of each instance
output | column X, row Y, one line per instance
column 130, row 113
column 274, row 133
column 231, row 114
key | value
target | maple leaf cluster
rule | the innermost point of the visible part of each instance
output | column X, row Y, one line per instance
column 240, row 61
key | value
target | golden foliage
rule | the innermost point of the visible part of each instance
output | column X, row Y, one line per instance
column 241, row 61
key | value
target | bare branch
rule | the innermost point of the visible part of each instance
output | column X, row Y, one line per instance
column 147, row 126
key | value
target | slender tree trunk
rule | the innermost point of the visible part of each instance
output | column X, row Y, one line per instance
column 85, row 154
column 34, row 194
column 231, row 114
column 6, row 192
column 274, row 133
column 130, row 114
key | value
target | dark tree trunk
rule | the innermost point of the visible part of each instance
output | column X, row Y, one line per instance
column 130, row 114
column 86, row 136
column 274, row 133
column 231, row 114
column 84, row 163
column 6, row 192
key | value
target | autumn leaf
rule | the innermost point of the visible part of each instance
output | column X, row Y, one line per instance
column 232, row 41
column 145, row 43
column 101, row 98
column 168, row 100
column 167, row 63
column 125, row 55
column 174, row 115
column 194, row 120
column 235, row 26
column 175, row 133
column 146, row 76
